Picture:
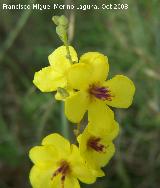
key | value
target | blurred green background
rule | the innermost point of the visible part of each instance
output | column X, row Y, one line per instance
column 131, row 40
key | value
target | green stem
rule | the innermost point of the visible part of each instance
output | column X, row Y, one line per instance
column 68, row 51
column 77, row 130
column 64, row 123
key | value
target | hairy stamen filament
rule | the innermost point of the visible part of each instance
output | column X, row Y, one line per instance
column 102, row 93
column 94, row 143
column 63, row 170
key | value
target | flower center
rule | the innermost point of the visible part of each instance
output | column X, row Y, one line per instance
column 102, row 93
column 63, row 169
column 94, row 143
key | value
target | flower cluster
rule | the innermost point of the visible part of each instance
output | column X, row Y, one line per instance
column 82, row 86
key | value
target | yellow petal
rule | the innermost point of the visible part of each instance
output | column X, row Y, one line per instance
column 80, row 169
column 71, row 182
column 79, row 76
column 108, row 154
column 56, row 182
column 58, row 59
column 82, row 140
column 60, row 143
column 85, row 174
column 122, row 89
column 40, row 178
column 100, row 118
column 100, row 172
column 99, row 63
column 101, row 130
column 115, row 131
column 76, row 106
column 43, row 156
column 103, row 158
column 48, row 79
column 75, row 158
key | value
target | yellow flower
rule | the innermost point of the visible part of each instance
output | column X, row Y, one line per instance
column 97, row 149
column 57, row 164
column 95, row 143
column 88, row 78
column 54, row 76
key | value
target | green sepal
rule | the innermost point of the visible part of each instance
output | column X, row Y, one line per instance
column 55, row 19
column 63, row 21
column 63, row 92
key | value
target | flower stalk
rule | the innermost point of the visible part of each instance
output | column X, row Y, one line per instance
column 82, row 87
column 61, row 29
column 64, row 123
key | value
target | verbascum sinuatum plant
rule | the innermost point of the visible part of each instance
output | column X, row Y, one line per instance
column 83, row 87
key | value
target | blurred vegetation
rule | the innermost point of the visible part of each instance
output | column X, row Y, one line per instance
column 131, row 40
